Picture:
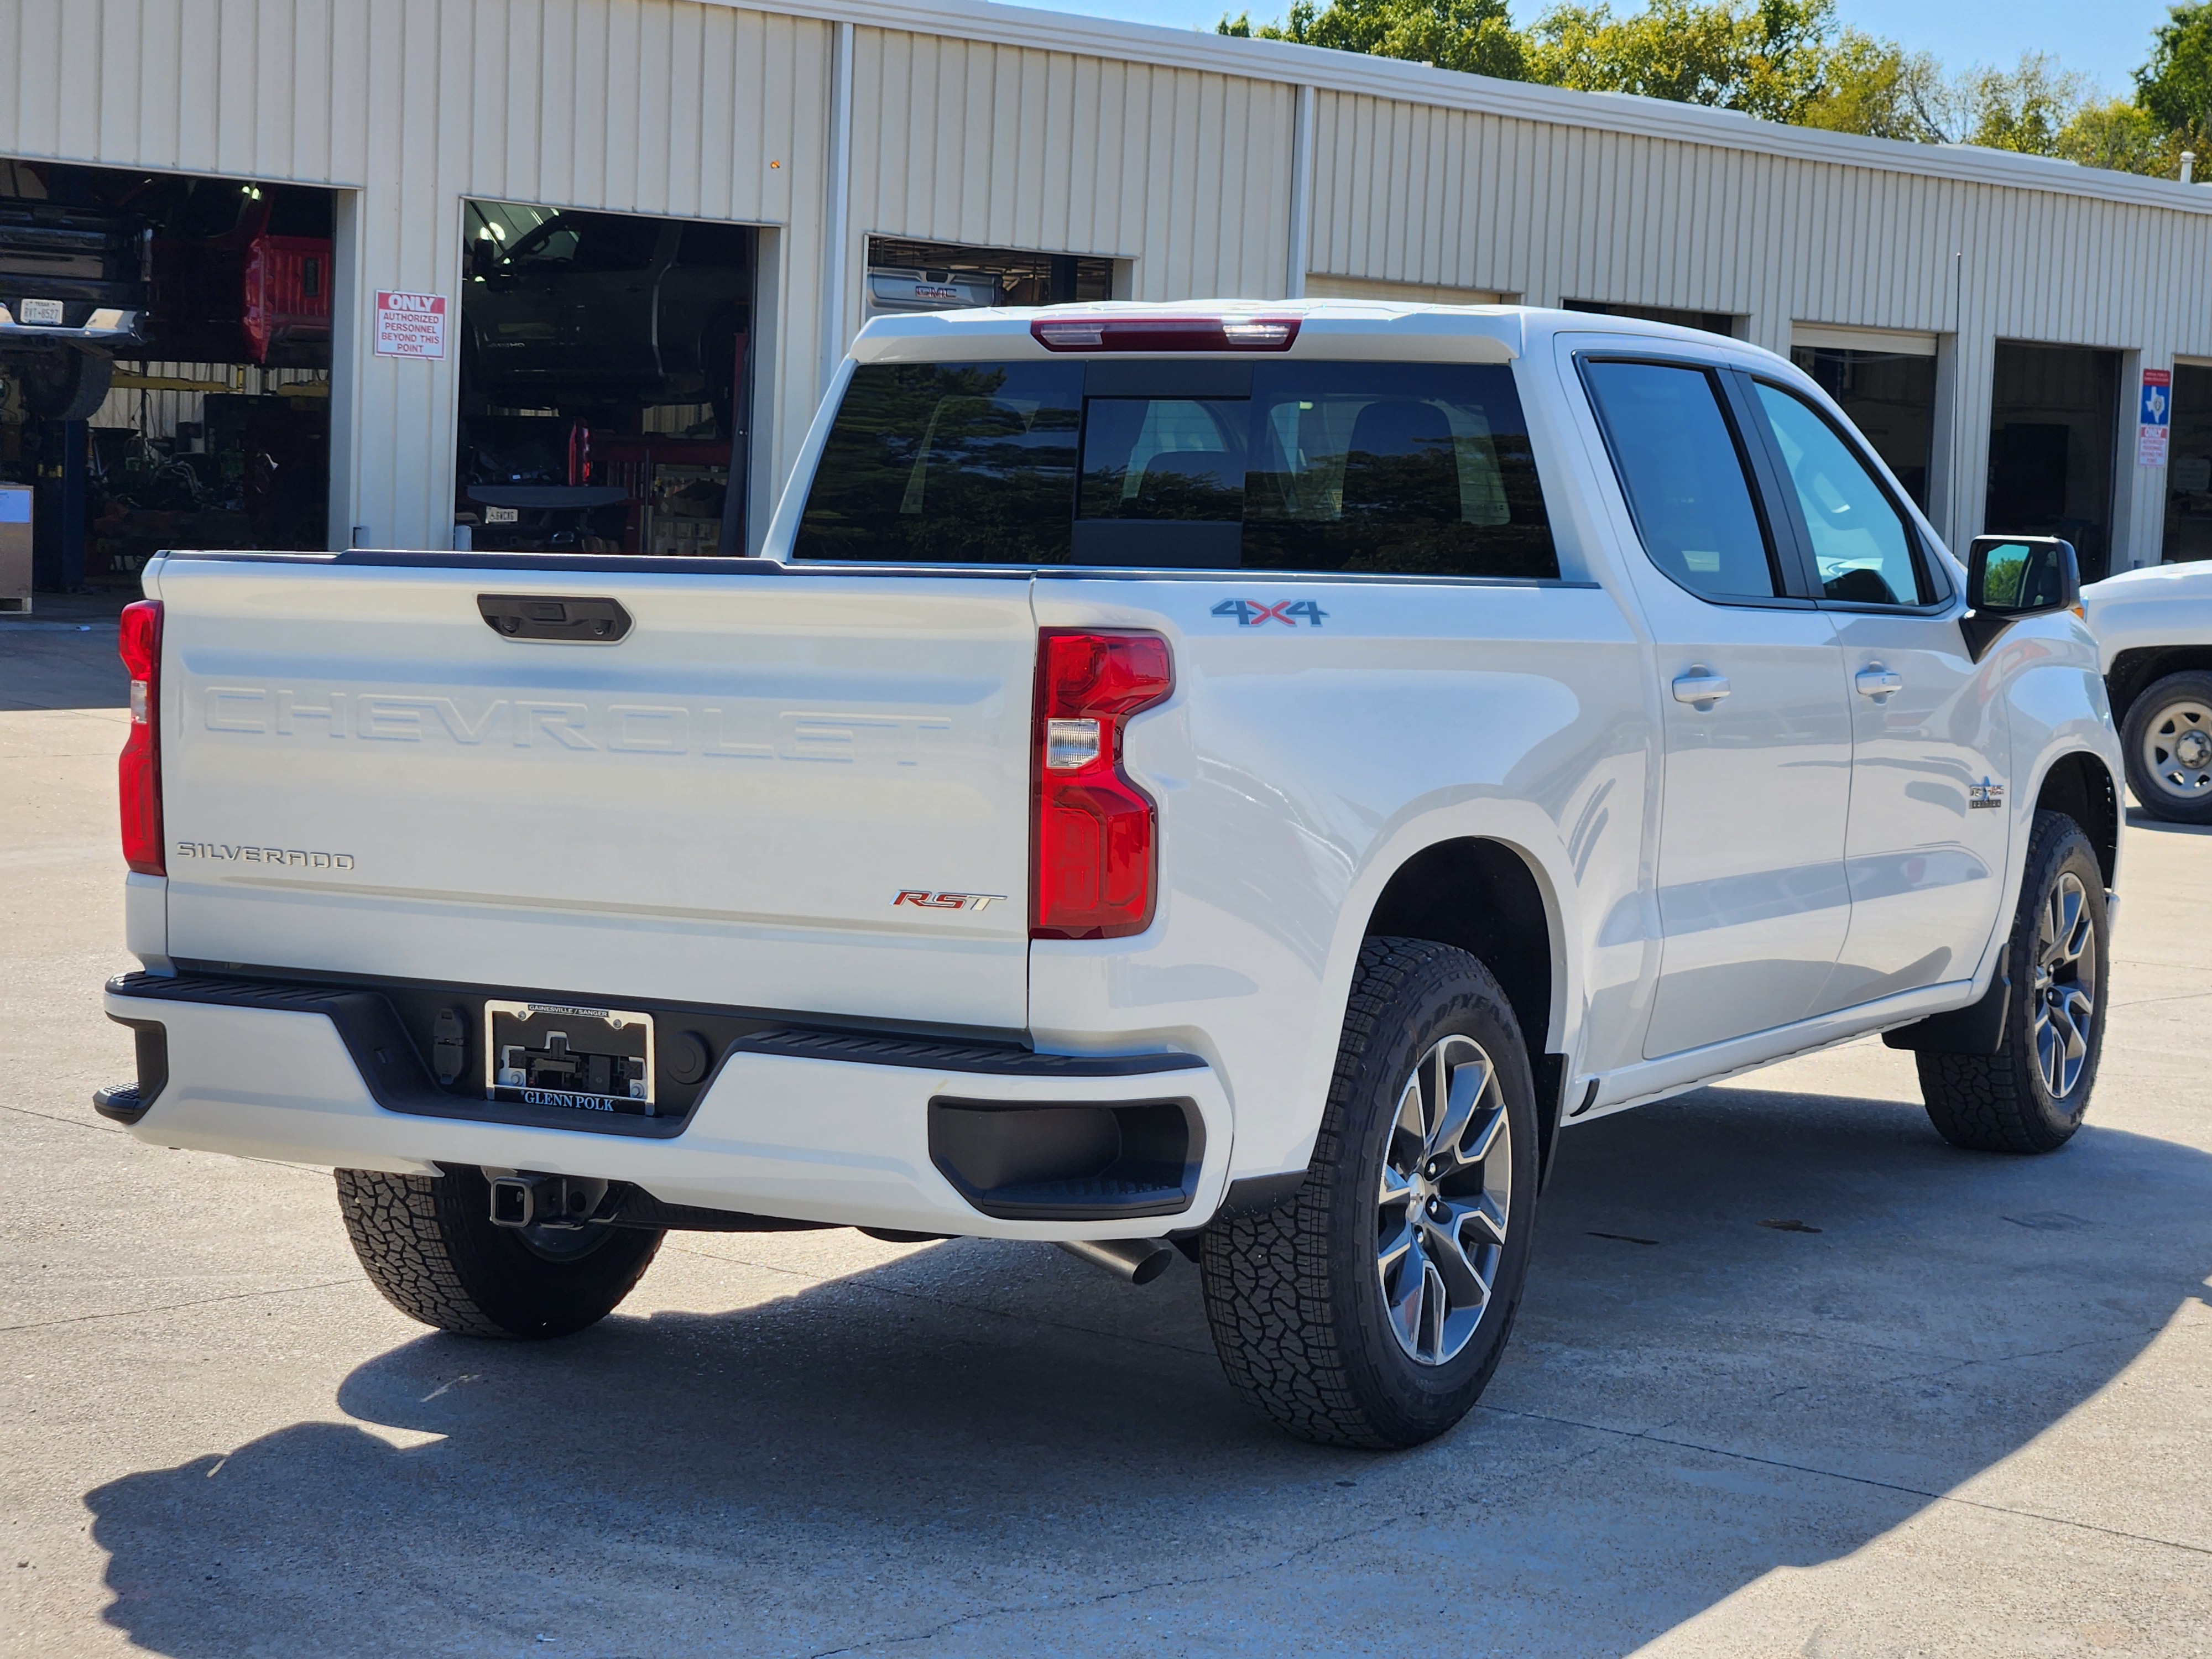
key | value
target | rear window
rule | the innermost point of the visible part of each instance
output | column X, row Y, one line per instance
column 1366, row 468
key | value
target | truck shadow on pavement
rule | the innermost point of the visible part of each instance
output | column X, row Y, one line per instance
column 1763, row 1329
column 61, row 666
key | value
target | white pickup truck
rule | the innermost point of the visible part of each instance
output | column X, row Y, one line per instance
column 1219, row 777
column 2153, row 630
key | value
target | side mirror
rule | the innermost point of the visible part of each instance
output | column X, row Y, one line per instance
column 2008, row 577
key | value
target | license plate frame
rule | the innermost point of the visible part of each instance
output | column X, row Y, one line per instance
column 41, row 313
column 604, row 1061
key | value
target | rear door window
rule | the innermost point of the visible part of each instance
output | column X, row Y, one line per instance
column 1414, row 468
column 1194, row 464
column 1685, row 476
column 948, row 463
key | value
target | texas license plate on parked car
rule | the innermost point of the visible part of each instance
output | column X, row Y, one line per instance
column 47, row 312
column 550, row 1053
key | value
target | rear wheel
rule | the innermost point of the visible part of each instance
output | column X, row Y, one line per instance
column 2168, row 744
column 1372, row 1310
column 2030, row 1095
column 65, row 385
column 429, row 1246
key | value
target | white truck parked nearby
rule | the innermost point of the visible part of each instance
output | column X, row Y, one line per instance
column 2153, row 630
column 1221, row 777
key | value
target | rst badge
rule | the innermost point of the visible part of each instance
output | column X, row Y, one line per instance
column 923, row 898
column 1252, row 613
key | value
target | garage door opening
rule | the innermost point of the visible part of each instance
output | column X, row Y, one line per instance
column 605, row 382
column 905, row 276
column 1887, row 388
column 2188, row 466
column 165, row 365
column 2052, row 411
column 1712, row 322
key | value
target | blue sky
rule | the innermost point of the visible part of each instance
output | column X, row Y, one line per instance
column 2103, row 39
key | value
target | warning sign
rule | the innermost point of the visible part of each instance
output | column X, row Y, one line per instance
column 410, row 325
column 2157, row 417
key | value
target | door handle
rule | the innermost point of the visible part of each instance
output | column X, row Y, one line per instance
column 1701, row 688
column 1878, row 682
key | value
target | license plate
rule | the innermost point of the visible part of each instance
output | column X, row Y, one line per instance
column 555, row 1053
column 501, row 514
column 46, row 312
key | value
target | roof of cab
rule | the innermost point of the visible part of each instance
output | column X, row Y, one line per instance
column 1372, row 329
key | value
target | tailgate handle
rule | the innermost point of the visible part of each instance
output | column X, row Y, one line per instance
column 547, row 617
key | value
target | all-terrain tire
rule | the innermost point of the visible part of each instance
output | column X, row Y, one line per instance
column 428, row 1244
column 2175, row 705
column 2002, row 1102
column 1295, row 1296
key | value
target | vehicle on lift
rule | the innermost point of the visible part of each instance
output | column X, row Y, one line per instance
column 74, row 291
column 588, row 307
column 2153, row 629
column 1225, row 778
column 242, row 274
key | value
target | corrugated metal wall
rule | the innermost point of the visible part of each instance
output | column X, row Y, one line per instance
column 154, row 413
column 661, row 106
column 697, row 107
column 1409, row 193
column 1186, row 175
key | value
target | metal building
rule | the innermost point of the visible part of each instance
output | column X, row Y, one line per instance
column 1988, row 317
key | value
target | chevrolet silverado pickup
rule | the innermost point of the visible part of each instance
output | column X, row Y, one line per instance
column 1227, row 778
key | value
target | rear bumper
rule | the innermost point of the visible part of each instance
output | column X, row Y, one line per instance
column 780, row 1131
column 106, row 327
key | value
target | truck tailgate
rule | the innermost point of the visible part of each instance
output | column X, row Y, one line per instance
column 362, row 777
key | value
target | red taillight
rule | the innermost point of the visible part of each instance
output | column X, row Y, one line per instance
column 1096, row 832
column 1155, row 333
column 139, row 772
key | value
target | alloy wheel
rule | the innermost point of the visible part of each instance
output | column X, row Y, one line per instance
column 2065, row 985
column 1444, row 1200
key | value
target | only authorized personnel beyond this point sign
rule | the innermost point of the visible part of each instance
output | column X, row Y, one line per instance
column 410, row 325
column 2157, row 417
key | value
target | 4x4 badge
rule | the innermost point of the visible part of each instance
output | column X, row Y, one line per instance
column 1250, row 613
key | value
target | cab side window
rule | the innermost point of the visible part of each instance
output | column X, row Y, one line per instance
column 1684, row 474
column 1862, row 545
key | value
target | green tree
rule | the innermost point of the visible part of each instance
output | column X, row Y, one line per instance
column 2174, row 88
column 2024, row 108
column 1765, row 57
column 1876, row 87
column 1476, row 37
column 2114, row 133
column 1790, row 60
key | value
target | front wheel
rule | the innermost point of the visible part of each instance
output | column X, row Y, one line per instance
column 2167, row 740
column 2030, row 1095
column 1372, row 1310
column 428, row 1244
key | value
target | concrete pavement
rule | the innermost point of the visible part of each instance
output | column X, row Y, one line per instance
column 1952, row 1405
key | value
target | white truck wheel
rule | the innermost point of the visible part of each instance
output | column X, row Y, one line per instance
column 2167, row 744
